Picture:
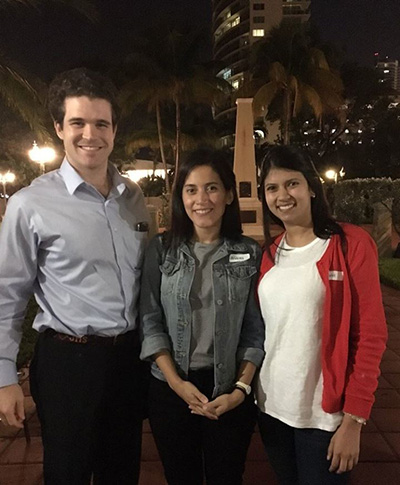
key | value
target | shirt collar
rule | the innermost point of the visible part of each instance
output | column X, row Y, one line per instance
column 73, row 180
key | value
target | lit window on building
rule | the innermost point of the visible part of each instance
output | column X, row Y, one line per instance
column 226, row 73
column 258, row 6
column 258, row 32
column 259, row 20
column 224, row 28
column 235, row 22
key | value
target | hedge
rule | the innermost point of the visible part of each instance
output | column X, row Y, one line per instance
column 353, row 199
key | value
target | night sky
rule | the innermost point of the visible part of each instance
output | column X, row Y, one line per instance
column 362, row 27
column 54, row 38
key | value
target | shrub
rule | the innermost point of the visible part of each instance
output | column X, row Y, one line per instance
column 389, row 270
column 354, row 199
column 152, row 185
column 29, row 335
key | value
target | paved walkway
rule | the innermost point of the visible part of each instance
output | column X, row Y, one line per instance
column 21, row 464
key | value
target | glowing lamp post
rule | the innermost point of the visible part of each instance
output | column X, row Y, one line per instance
column 42, row 155
column 6, row 178
column 333, row 174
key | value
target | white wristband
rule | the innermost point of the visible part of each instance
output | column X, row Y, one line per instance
column 357, row 419
column 245, row 387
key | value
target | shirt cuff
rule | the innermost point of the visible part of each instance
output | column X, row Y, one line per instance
column 152, row 345
column 8, row 373
column 252, row 354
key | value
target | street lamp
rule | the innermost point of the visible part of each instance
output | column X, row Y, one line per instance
column 41, row 155
column 6, row 178
column 333, row 174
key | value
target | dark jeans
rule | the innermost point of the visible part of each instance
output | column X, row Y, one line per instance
column 90, row 405
column 298, row 456
column 191, row 445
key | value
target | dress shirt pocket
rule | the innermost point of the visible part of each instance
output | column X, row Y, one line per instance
column 137, row 250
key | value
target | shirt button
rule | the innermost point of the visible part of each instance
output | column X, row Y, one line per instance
column 219, row 366
column 220, row 302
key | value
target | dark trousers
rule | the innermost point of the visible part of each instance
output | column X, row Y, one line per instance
column 90, row 405
column 191, row 445
column 298, row 456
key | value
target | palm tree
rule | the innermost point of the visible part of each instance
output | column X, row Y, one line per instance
column 167, row 70
column 20, row 91
column 290, row 73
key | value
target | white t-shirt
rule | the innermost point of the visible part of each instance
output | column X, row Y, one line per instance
column 292, row 296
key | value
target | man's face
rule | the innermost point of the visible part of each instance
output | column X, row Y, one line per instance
column 87, row 133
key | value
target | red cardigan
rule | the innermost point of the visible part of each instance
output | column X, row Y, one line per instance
column 354, row 327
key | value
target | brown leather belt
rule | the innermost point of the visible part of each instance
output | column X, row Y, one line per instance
column 131, row 338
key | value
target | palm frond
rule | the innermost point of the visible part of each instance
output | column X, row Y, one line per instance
column 278, row 73
column 264, row 97
column 86, row 8
column 318, row 59
column 312, row 98
column 21, row 97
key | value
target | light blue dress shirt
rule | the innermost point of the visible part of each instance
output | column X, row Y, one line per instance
column 78, row 252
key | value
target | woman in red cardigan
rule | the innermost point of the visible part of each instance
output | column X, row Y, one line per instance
column 325, row 327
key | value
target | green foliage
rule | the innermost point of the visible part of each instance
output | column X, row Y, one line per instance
column 291, row 75
column 165, row 73
column 389, row 271
column 29, row 336
column 354, row 199
column 152, row 185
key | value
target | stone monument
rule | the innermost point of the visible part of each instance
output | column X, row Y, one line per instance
column 244, row 167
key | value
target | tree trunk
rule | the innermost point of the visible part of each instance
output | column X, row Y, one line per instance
column 178, row 132
column 287, row 109
column 161, row 143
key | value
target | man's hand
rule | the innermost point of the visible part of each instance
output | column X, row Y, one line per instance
column 344, row 448
column 12, row 411
column 220, row 405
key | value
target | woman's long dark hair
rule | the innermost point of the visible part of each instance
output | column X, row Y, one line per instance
column 293, row 158
column 220, row 161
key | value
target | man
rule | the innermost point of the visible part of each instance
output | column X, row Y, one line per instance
column 75, row 237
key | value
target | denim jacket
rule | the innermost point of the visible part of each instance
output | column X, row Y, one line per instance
column 166, row 313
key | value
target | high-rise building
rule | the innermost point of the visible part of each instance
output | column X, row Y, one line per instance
column 388, row 71
column 237, row 24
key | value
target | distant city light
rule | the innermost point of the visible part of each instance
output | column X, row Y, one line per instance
column 41, row 155
column 6, row 178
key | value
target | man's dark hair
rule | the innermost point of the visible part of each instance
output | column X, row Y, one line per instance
column 81, row 82
column 221, row 162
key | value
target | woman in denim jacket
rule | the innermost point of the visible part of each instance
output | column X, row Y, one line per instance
column 202, row 328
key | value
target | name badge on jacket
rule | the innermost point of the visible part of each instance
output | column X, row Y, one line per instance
column 238, row 258
column 336, row 275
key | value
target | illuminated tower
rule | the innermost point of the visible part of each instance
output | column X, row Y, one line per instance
column 237, row 24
